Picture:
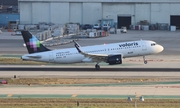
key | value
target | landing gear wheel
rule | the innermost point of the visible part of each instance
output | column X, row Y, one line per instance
column 145, row 62
column 97, row 67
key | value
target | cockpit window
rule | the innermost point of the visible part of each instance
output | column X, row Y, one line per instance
column 153, row 44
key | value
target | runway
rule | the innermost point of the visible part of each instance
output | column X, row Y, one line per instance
column 68, row 71
column 144, row 90
column 88, row 69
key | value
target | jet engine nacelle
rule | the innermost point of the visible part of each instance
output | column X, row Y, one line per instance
column 114, row 59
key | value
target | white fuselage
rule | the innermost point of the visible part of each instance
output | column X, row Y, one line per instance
column 71, row 55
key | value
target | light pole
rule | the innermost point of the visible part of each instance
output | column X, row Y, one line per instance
column 135, row 99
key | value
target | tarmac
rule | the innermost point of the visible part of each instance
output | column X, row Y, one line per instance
column 170, row 40
column 107, row 91
column 87, row 96
column 163, row 65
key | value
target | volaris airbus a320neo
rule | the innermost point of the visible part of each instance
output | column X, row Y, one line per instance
column 109, row 53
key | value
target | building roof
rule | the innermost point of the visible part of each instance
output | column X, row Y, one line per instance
column 111, row 1
column 9, row 2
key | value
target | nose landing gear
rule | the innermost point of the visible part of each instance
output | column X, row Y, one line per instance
column 145, row 61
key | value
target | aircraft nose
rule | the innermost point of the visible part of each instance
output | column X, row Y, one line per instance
column 160, row 48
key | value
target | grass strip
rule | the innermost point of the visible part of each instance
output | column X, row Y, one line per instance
column 18, row 61
column 87, row 103
column 115, row 81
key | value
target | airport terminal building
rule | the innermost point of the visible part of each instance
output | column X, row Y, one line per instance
column 124, row 12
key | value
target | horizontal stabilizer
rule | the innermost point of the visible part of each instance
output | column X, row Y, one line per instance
column 36, row 57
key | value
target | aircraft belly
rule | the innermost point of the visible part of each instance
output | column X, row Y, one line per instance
column 133, row 53
column 69, row 59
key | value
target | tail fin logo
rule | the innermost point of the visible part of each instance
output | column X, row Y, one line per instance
column 33, row 43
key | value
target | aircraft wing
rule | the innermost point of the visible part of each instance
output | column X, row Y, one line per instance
column 100, row 57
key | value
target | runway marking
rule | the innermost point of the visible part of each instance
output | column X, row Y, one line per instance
column 151, row 60
column 167, row 86
column 74, row 95
column 9, row 95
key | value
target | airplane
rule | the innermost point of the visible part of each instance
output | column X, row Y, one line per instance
column 110, row 53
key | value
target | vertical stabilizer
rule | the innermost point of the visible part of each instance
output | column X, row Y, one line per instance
column 32, row 43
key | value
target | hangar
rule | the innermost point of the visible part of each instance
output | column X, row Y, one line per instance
column 123, row 12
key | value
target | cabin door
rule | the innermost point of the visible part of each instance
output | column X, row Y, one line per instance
column 144, row 48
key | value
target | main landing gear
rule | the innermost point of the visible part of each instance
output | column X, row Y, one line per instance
column 145, row 61
column 97, row 66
